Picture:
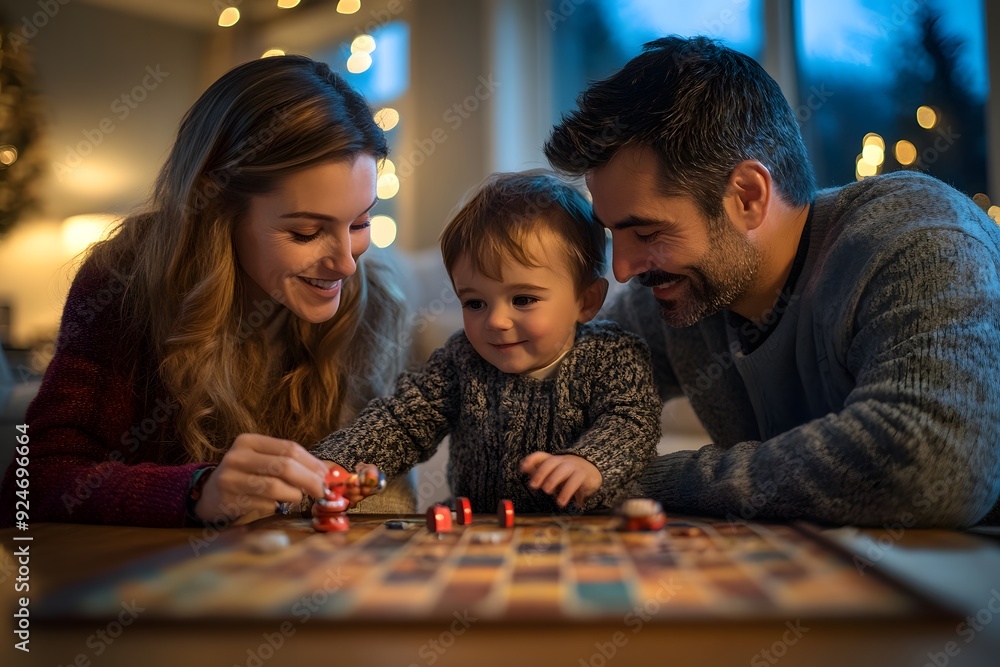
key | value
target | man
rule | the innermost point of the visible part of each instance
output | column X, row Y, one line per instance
column 842, row 348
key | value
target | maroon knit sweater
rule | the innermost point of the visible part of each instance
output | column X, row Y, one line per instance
column 101, row 447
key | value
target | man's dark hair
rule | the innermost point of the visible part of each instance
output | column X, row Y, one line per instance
column 703, row 108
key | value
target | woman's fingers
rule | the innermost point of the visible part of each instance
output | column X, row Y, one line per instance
column 274, row 465
column 257, row 472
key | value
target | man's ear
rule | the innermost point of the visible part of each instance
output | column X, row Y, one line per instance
column 592, row 299
column 748, row 194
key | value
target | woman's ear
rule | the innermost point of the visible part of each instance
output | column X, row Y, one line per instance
column 592, row 299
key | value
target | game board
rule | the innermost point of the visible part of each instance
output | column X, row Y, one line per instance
column 545, row 568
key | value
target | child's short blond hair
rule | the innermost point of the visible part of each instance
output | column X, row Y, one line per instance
column 506, row 208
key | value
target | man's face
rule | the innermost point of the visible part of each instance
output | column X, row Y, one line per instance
column 695, row 266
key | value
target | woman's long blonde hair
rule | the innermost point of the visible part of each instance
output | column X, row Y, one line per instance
column 259, row 123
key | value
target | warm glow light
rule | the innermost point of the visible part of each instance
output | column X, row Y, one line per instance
column 994, row 212
column 926, row 117
column 866, row 168
column 98, row 177
column 363, row 44
column 387, row 167
column 288, row 4
column 80, row 231
column 358, row 62
column 386, row 118
column 272, row 52
column 906, row 153
column 873, row 154
column 383, row 231
column 387, row 186
column 348, row 6
column 873, row 139
column 8, row 154
column 229, row 17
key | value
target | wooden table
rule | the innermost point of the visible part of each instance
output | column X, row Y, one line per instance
column 961, row 569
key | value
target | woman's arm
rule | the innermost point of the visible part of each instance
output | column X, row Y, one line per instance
column 94, row 450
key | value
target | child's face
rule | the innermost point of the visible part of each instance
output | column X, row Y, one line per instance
column 526, row 321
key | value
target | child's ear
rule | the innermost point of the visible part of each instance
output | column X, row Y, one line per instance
column 592, row 299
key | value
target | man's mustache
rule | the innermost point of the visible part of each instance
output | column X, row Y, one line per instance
column 654, row 278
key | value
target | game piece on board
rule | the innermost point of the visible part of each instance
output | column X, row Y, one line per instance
column 490, row 537
column 463, row 511
column 328, row 511
column 439, row 519
column 267, row 541
column 642, row 514
column 328, row 515
column 505, row 513
column 395, row 524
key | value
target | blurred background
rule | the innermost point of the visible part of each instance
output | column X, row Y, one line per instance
column 92, row 91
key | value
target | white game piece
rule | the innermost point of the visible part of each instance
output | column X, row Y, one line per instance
column 267, row 542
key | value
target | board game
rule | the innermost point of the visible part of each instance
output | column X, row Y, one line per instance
column 568, row 569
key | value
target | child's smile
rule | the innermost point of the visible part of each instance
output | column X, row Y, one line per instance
column 528, row 320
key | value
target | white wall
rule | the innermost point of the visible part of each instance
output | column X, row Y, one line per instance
column 85, row 59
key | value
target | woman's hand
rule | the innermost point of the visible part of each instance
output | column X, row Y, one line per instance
column 574, row 477
column 257, row 472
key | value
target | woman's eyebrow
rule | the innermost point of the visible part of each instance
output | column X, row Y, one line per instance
column 322, row 216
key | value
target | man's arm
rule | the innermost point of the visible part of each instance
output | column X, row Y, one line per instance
column 918, row 439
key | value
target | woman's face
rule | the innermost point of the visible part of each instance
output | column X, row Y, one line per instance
column 300, row 242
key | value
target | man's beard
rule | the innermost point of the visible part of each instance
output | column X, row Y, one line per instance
column 714, row 283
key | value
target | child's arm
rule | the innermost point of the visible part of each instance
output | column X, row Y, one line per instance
column 624, row 423
column 397, row 431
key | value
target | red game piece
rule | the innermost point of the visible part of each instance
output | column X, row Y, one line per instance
column 463, row 511
column 334, row 523
column 439, row 519
column 328, row 511
column 336, row 479
column 505, row 513
column 642, row 514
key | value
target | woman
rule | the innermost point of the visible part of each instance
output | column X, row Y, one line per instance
column 230, row 313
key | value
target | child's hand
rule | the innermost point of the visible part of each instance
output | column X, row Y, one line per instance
column 574, row 477
column 359, row 487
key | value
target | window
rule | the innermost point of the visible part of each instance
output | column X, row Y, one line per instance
column 894, row 86
column 378, row 65
column 592, row 40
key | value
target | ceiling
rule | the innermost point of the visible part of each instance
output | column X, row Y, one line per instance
column 198, row 14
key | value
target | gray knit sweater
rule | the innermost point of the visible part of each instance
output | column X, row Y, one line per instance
column 876, row 397
column 600, row 404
